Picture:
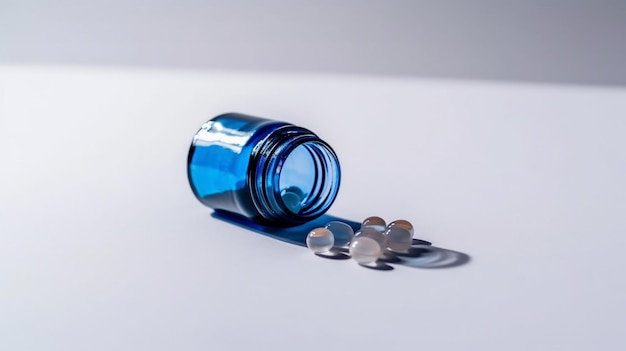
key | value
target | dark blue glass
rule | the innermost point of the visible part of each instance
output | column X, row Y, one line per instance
column 267, row 171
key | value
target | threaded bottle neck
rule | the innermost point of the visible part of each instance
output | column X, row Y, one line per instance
column 293, row 176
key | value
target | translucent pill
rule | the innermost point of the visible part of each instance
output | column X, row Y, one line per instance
column 292, row 198
column 375, row 223
column 402, row 224
column 398, row 238
column 320, row 240
column 367, row 246
column 342, row 232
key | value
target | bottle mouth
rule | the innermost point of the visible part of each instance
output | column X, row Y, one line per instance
column 294, row 176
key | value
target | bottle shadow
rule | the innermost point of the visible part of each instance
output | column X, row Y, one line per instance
column 421, row 254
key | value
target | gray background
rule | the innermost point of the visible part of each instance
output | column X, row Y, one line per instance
column 579, row 42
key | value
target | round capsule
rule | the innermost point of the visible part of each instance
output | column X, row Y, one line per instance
column 374, row 222
column 320, row 240
column 292, row 198
column 342, row 232
column 398, row 238
column 402, row 224
column 367, row 246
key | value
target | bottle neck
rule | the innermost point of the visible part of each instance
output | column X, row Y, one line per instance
column 293, row 176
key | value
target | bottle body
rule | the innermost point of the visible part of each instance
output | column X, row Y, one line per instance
column 267, row 171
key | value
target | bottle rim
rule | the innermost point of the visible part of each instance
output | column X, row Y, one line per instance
column 266, row 162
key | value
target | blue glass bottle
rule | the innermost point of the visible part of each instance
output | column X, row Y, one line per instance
column 267, row 171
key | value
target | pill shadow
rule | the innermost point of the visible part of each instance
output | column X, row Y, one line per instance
column 427, row 256
column 421, row 254
column 378, row 266
column 333, row 255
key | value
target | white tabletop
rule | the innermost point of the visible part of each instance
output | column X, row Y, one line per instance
column 104, row 247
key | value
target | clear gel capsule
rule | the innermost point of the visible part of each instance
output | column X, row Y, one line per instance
column 320, row 240
column 342, row 232
column 374, row 222
column 292, row 198
column 402, row 224
column 398, row 238
column 367, row 246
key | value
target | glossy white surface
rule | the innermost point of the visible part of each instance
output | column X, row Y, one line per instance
column 104, row 247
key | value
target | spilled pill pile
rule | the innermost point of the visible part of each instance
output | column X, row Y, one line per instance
column 366, row 245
